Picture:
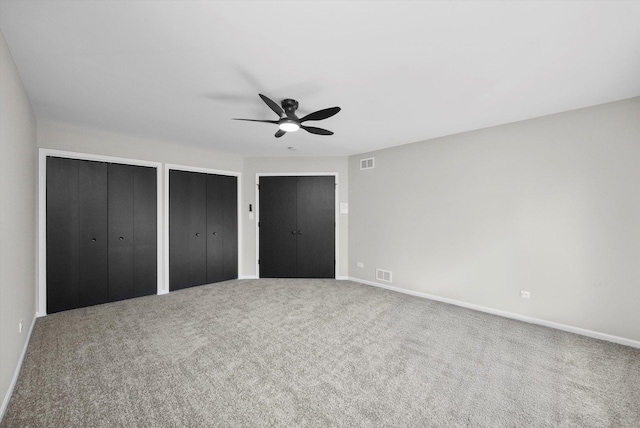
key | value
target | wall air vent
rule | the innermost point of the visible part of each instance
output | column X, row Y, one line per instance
column 368, row 163
column 383, row 275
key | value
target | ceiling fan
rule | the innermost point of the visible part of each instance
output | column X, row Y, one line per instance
column 289, row 122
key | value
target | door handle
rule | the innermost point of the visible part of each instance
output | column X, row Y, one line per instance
column 299, row 232
column 198, row 234
column 121, row 238
column 215, row 233
column 93, row 239
column 293, row 232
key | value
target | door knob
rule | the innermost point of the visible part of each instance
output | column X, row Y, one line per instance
column 121, row 238
column 299, row 232
column 93, row 239
column 197, row 234
column 215, row 233
column 293, row 232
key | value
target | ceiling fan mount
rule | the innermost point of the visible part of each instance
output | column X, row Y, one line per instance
column 289, row 105
column 289, row 122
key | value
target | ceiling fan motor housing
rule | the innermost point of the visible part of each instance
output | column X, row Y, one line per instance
column 289, row 105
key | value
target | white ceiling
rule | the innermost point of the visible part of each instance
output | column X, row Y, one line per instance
column 402, row 71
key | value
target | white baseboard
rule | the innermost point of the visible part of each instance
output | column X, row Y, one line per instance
column 248, row 277
column 343, row 278
column 16, row 373
column 512, row 315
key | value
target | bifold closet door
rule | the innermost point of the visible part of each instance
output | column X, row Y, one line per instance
column 222, row 228
column 187, row 229
column 145, row 231
column 76, row 234
column 101, row 232
column 297, row 227
column 203, row 229
column 132, row 231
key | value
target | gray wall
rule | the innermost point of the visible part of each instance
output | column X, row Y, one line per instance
column 549, row 205
column 284, row 165
column 18, row 227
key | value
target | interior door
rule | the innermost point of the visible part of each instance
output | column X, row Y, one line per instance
column 197, row 229
column 316, row 227
column 121, row 205
column 230, row 227
column 145, row 229
column 215, row 227
column 278, row 227
column 178, row 229
column 63, row 233
column 297, row 227
column 93, row 229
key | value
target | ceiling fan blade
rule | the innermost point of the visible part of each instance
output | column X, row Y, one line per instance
column 315, row 130
column 256, row 120
column 272, row 105
column 321, row 114
column 280, row 133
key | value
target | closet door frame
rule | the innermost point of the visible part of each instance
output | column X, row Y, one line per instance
column 168, row 167
column 300, row 174
column 43, row 153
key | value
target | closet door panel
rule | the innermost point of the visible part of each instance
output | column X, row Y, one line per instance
column 145, row 228
column 316, row 227
column 120, row 231
column 92, row 212
column 178, row 229
column 215, row 228
column 197, row 229
column 62, row 235
column 278, row 228
column 229, row 227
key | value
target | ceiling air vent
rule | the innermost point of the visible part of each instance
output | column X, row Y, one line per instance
column 368, row 163
column 383, row 275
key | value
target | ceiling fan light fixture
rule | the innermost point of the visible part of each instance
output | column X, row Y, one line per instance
column 289, row 125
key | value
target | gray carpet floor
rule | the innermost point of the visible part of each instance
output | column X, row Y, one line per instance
column 314, row 353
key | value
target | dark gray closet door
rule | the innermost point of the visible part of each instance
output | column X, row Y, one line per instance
column 93, row 226
column 178, row 229
column 215, row 228
column 76, row 234
column 222, row 228
column 197, row 229
column 229, row 227
column 63, row 283
column 297, row 227
column 278, row 227
column 316, row 227
column 120, row 231
column 145, row 230
column 101, row 232
column 187, row 229
column 203, row 229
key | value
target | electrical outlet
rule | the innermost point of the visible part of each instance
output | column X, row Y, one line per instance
column 525, row 294
column 360, row 264
column 20, row 327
